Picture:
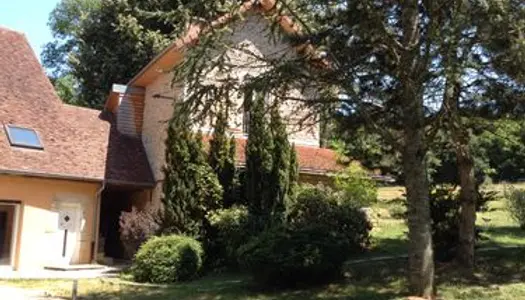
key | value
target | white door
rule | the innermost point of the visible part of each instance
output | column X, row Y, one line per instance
column 68, row 233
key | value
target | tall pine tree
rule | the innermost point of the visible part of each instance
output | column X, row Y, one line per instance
column 280, row 179
column 191, row 188
column 259, row 164
column 221, row 158
column 293, row 174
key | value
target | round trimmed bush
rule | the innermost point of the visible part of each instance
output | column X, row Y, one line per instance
column 167, row 259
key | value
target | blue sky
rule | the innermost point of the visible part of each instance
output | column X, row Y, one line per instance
column 29, row 17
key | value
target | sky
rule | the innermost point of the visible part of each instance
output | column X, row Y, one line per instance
column 29, row 17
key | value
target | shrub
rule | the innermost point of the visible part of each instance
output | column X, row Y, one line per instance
column 445, row 215
column 320, row 232
column 286, row 257
column 167, row 259
column 136, row 227
column 356, row 185
column 321, row 205
column 516, row 204
column 230, row 228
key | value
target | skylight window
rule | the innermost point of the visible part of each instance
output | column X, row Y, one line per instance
column 23, row 137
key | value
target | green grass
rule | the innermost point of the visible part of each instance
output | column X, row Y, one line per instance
column 389, row 233
column 499, row 275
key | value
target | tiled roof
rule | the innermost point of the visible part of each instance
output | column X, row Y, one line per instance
column 75, row 139
column 311, row 159
column 127, row 162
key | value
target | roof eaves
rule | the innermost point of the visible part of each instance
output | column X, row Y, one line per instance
column 57, row 176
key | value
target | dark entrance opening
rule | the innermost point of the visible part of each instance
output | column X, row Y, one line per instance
column 114, row 202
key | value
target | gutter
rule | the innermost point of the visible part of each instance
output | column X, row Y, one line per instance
column 49, row 175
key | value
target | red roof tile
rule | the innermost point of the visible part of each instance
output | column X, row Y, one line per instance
column 75, row 139
column 127, row 162
column 311, row 159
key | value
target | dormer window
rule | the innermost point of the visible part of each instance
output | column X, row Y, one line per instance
column 23, row 137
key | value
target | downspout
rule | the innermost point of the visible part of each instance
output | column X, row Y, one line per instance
column 96, row 224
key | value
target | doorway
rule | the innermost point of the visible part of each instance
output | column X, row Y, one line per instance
column 8, row 218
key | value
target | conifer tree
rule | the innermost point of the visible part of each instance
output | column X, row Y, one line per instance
column 293, row 174
column 280, row 179
column 191, row 188
column 258, row 158
column 220, row 157
column 233, row 192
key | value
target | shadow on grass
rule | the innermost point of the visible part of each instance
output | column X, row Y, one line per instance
column 503, row 236
column 236, row 287
column 389, row 246
column 378, row 280
column 499, row 267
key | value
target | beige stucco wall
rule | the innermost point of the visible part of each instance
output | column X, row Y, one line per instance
column 39, row 242
column 157, row 112
column 252, row 34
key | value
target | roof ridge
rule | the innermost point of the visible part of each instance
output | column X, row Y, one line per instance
column 7, row 29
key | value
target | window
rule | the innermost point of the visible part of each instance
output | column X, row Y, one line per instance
column 23, row 137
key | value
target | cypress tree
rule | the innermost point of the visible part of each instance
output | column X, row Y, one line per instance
column 220, row 157
column 280, row 179
column 293, row 174
column 190, row 187
column 258, row 158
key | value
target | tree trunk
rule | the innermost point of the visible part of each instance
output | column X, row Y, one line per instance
column 467, row 196
column 421, row 260
column 420, row 254
column 465, row 164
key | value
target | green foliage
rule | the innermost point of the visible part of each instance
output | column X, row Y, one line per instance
column 321, row 231
column 136, row 227
column 286, row 257
column 99, row 43
column 231, row 231
column 280, row 179
column 67, row 89
column 516, row 204
column 325, row 207
column 503, row 143
column 357, row 185
column 221, row 158
column 259, row 160
column 293, row 174
column 444, row 211
column 167, row 259
column 445, row 214
column 191, row 188
column 369, row 148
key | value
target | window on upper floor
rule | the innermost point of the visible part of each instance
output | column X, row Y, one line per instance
column 23, row 137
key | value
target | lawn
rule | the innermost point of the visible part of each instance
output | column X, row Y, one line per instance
column 500, row 273
column 389, row 233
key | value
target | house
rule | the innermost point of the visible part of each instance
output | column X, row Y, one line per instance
column 67, row 173
column 52, row 166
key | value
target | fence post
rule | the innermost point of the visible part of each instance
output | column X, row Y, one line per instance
column 75, row 288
